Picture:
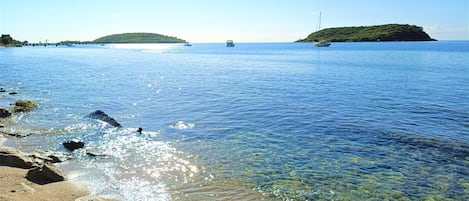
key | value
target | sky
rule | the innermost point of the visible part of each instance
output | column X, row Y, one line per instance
column 220, row 20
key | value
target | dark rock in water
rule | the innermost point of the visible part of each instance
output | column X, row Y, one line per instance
column 4, row 113
column 100, row 115
column 24, row 105
column 90, row 153
column 73, row 144
column 2, row 90
column 13, row 93
column 45, row 174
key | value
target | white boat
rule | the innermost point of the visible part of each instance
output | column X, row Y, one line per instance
column 187, row 44
column 321, row 43
column 230, row 43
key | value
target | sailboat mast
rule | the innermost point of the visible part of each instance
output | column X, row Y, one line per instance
column 319, row 24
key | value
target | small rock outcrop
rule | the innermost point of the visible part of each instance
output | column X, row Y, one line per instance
column 4, row 113
column 14, row 158
column 100, row 115
column 74, row 144
column 40, row 171
column 45, row 174
column 24, row 106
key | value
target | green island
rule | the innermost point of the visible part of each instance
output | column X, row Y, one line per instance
column 7, row 41
column 138, row 38
column 387, row 32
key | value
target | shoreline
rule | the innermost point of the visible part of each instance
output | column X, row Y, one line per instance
column 16, row 182
column 33, row 175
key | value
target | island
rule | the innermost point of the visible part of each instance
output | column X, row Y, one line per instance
column 7, row 41
column 387, row 32
column 138, row 38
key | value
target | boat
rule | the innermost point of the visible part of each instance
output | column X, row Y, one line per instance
column 230, row 43
column 187, row 44
column 321, row 43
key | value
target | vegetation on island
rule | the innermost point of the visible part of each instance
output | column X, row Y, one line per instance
column 387, row 32
column 7, row 41
column 138, row 38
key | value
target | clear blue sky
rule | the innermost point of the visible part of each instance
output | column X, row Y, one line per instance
column 219, row 20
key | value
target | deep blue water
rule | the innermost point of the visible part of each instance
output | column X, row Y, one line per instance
column 272, row 121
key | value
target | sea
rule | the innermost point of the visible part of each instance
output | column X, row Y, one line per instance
column 258, row 121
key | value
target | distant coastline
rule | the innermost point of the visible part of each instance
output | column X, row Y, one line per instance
column 387, row 32
column 138, row 38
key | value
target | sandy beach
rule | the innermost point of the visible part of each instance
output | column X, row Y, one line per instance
column 15, row 185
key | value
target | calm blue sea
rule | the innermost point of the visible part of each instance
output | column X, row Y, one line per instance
column 260, row 121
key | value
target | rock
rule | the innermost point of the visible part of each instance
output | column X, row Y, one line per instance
column 24, row 106
column 73, row 144
column 13, row 93
column 4, row 113
column 15, row 134
column 14, row 158
column 100, row 115
column 45, row 174
column 45, row 156
column 40, row 172
column 90, row 153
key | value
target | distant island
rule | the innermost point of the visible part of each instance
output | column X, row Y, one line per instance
column 7, row 41
column 138, row 38
column 387, row 32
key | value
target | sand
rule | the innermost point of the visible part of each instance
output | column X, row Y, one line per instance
column 15, row 187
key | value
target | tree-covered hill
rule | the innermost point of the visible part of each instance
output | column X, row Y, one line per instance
column 387, row 32
column 138, row 38
column 7, row 41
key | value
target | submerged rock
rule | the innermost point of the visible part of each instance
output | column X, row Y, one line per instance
column 94, row 154
column 183, row 125
column 14, row 134
column 24, row 105
column 100, row 115
column 73, row 144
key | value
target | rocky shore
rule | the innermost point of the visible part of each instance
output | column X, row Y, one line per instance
column 25, row 176
column 31, row 176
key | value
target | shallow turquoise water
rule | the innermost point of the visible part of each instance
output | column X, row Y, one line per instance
column 273, row 121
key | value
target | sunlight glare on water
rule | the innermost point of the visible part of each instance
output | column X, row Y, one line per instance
column 146, row 47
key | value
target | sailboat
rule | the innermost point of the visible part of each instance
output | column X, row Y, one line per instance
column 321, row 43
